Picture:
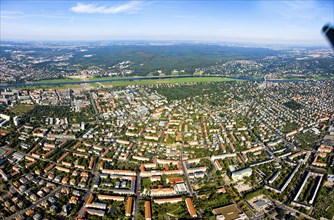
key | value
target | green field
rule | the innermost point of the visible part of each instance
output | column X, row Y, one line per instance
column 324, row 77
column 172, row 81
column 22, row 109
column 309, row 78
column 125, row 82
column 324, row 206
column 290, row 126
column 88, row 79
column 56, row 81
column 56, row 86
column 129, row 77
column 109, row 78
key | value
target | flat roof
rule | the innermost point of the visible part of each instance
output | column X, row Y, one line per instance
column 230, row 212
column 181, row 187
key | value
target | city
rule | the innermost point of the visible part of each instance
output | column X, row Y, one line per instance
column 201, row 150
column 167, row 110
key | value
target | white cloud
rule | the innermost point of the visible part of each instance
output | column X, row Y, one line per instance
column 129, row 7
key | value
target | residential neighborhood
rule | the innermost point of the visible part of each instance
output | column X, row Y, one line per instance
column 240, row 150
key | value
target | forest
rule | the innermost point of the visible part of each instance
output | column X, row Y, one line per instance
column 41, row 111
column 292, row 104
column 179, row 92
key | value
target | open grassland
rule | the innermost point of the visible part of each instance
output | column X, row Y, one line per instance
column 112, row 78
column 125, row 82
column 55, row 86
column 22, row 109
column 163, row 81
column 56, row 81
column 324, row 77
column 315, row 77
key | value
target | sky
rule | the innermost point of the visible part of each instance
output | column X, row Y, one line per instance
column 253, row 21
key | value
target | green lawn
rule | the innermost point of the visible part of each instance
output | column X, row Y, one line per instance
column 290, row 126
column 309, row 78
column 190, row 79
column 324, row 77
column 56, row 86
column 22, row 109
column 172, row 81
column 110, row 78
column 122, row 77
column 146, row 183
column 324, row 206
column 126, row 82
column 307, row 139
column 56, row 81
column 177, row 210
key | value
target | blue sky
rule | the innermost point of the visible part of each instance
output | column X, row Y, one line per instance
column 267, row 21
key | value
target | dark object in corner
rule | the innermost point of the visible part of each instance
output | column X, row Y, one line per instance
column 328, row 30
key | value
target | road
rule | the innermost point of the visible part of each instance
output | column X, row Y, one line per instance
column 96, row 160
column 184, row 169
column 290, row 209
column 94, row 106
column 137, row 193
column 34, row 204
column 90, row 189
column 81, row 211
column 286, row 143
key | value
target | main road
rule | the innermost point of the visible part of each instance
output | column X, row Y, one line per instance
column 92, row 102
column 184, row 169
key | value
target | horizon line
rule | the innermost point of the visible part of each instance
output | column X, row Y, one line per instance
column 323, row 44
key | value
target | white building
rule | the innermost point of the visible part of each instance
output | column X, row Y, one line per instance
column 238, row 175
column 16, row 121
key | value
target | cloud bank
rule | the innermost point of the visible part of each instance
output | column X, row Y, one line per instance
column 129, row 7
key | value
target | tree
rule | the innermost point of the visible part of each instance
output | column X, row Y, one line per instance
column 280, row 213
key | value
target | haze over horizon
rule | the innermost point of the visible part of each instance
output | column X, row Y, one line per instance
column 278, row 22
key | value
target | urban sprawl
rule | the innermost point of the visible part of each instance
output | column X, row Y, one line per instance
column 210, row 150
